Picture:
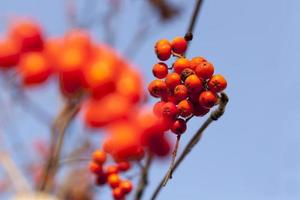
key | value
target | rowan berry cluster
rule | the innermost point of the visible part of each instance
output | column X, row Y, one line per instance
column 110, row 174
column 187, row 88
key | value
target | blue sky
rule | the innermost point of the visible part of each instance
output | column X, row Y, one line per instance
column 253, row 151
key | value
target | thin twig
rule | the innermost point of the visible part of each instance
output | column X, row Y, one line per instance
column 143, row 182
column 170, row 171
column 215, row 115
column 59, row 127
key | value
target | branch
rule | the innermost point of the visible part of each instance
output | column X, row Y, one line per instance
column 143, row 182
column 58, row 130
column 215, row 115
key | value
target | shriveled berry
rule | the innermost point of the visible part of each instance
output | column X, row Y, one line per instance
column 217, row 83
column 186, row 73
column 180, row 92
column 193, row 83
column 180, row 64
column 157, row 88
column 101, row 179
column 208, row 99
column 196, row 61
column 160, row 70
column 178, row 127
column 169, row 110
column 172, row 80
column 204, row 70
column 185, row 108
column 179, row 45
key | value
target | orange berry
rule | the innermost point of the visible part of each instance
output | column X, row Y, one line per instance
column 9, row 53
column 112, row 169
column 34, row 68
column 95, row 168
column 172, row 80
column 160, row 70
column 193, row 83
column 217, row 83
column 126, row 186
column 99, row 157
column 117, row 193
column 204, row 70
column 179, row 45
column 180, row 92
column 157, row 88
column 169, row 110
column 178, row 127
column 27, row 34
column 114, row 180
column 180, row 64
column 123, row 166
column 208, row 99
column 196, row 61
column 163, row 49
column 185, row 108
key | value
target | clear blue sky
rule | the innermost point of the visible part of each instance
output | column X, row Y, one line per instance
column 252, row 153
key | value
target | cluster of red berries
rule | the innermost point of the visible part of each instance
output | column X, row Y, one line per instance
column 110, row 175
column 80, row 66
column 189, row 88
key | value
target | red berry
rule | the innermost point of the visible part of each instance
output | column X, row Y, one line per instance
column 111, row 169
column 95, row 168
column 169, row 110
column 157, row 88
column 124, row 166
column 185, row 108
column 99, row 157
column 178, row 127
column 9, row 53
column 208, row 99
column 204, row 70
column 117, row 193
column 217, row 83
column 180, row 92
column 200, row 110
column 157, row 108
column 126, row 186
column 114, row 180
column 163, row 49
column 193, row 83
column 180, row 64
column 186, row 73
column 160, row 70
column 196, row 61
column 172, row 80
column 179, row 45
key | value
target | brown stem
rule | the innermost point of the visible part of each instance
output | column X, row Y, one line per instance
column 143, row 182
column 170, row 171
column 215, row 115
column 58, row 130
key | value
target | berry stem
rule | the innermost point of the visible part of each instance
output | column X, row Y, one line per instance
column 174, row 154
column 189, row 33
column 58, row 130
column 215, row 115
column 143, row 181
